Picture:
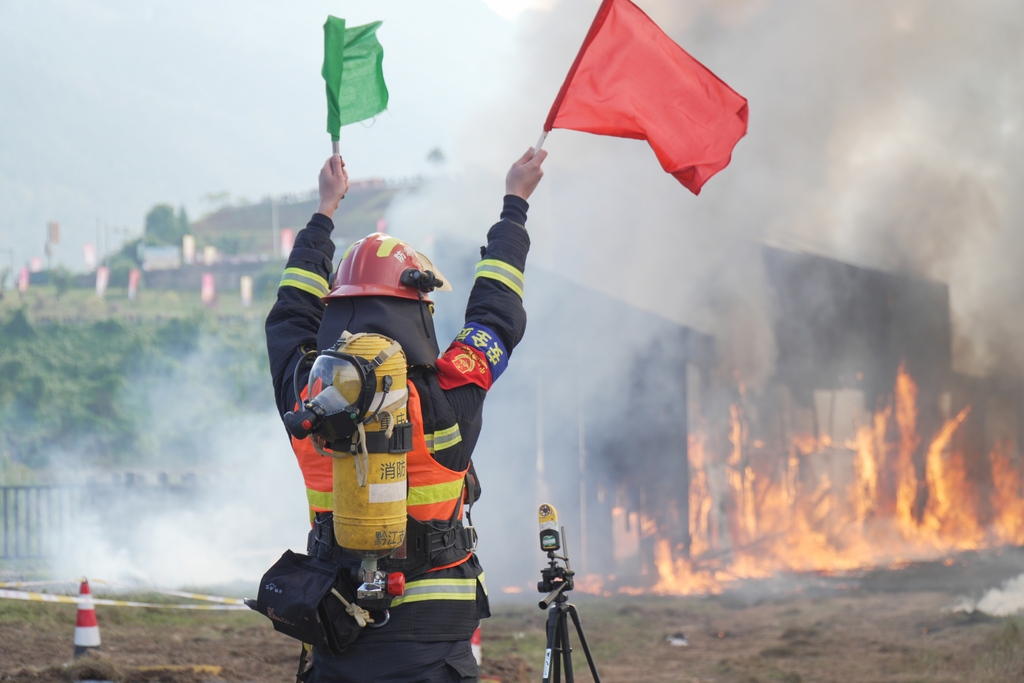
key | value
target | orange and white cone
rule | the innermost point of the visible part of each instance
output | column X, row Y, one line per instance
column 87, row 630
column 474, row 643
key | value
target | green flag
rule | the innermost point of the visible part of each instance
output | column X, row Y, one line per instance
column 353, row 70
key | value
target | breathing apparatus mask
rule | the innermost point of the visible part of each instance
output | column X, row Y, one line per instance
column 342, row 396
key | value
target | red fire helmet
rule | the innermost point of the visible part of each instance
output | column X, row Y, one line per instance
column 374, row 266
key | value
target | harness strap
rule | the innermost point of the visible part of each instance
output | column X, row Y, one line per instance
column 400, row 441
column 430, row 545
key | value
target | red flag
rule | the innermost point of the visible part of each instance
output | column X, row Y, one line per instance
column 630, row 80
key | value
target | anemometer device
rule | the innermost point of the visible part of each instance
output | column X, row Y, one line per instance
column 556, row 581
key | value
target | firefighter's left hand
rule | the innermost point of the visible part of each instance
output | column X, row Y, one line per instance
column 333, row 185
column 525, row 174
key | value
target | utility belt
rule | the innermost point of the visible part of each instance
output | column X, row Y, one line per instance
column 428, row 545
column 313, row 598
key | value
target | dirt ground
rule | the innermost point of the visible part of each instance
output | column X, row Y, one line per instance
column 840, row 635
column 869, row 638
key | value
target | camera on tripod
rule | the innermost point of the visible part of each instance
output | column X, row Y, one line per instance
column 556, row 581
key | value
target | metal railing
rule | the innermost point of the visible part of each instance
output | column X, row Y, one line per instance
column 37, row 521
column 34, row 520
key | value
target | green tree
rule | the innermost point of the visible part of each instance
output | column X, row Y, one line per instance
column 164, row 228
column 61, row 278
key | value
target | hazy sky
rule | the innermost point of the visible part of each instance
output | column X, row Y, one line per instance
column 110, row 106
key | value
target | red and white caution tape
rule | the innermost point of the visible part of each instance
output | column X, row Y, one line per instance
column 199, row 596
column 134, row 587
column 54, row 582
column 74, row 600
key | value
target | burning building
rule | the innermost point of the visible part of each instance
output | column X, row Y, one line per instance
column 863, row 448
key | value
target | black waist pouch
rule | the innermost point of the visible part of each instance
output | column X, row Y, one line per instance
column 296, row 595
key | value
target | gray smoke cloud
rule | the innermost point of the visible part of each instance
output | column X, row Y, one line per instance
column 883, row 134
column 1002, row 601
column 234, row 498
column 886, row 134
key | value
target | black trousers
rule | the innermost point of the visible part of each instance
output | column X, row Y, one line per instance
column 398, row 662
column 393, row 662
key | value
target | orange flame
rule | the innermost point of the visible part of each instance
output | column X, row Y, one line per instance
column 878, row 500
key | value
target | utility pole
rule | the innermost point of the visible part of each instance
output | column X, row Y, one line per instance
column 543, row 491
column 125, row 231
column 275, row 244
column 3, row 280
column 583, row 476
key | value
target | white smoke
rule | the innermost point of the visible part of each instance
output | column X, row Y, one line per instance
column 999, row 602
column 245, row 507
column 887, row 134
column 884, row 134
column 248, row 510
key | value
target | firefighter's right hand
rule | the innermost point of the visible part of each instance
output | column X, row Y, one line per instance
column 524, row 175
column 333, row 185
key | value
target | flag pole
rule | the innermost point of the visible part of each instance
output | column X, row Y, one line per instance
column 595, row 27
column 334, row 147
column 540, row 142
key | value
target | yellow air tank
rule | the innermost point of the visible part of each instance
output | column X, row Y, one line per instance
column 369, row 520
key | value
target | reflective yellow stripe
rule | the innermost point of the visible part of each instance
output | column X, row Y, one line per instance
column 315, row 278
column 420, row 597
column 502, row 272
column 305, row 280
column 320, row 499
column 434, row 493
column 445, row 438
column 437, row 589
column 420, row 583
column 483, row 584
column 387, row 246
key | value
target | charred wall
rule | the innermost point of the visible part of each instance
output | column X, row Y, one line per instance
column 841, row 326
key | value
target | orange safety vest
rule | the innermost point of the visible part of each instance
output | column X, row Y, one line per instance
column 440, row 603
column 434, row 490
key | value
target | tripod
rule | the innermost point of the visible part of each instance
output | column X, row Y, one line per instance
column 556, row 581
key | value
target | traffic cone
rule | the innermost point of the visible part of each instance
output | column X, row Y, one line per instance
column 474, row 643
column 87, row 631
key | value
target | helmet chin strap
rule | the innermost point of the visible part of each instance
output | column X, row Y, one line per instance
column 423, row 318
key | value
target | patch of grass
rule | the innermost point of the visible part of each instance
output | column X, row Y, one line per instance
column 799, row 633
column 1003, row 658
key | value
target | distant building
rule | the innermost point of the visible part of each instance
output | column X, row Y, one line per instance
column 256, row 228
column 248, row 240
column 159, row 258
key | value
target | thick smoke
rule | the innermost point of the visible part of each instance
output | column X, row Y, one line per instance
column 886, row 134
column 234, row 499
column 883, row 134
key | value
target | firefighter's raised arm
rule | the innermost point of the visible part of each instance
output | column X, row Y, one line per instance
column 525, row 174
column 333, row 184
column 495, row 317
column 295, row 317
